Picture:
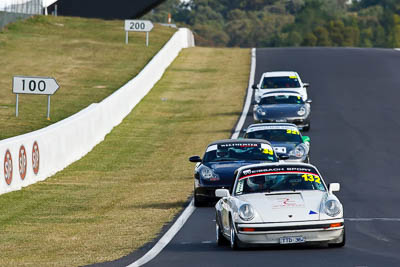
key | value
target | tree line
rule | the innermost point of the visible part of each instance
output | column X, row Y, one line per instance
column 276, row 23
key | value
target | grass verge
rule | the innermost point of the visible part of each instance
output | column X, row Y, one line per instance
column 88, row 58
column 120, row 195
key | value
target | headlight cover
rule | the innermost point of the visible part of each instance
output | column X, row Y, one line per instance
column 301, row 111
column 246, row 212
column 332, row 207
column 299, row 151
column 260, row 111
column 208, row 174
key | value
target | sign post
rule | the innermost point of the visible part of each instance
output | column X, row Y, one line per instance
column 138, row 26
column 36, row 86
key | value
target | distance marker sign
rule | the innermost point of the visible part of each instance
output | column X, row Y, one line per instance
column 138, row 25
column 34, row 85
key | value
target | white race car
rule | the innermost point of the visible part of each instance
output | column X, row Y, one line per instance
column 280, row 81
column 279, row 203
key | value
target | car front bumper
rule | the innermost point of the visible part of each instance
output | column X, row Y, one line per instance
column 300, row 122
column 313, row 231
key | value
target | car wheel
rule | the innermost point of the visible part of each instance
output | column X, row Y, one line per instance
column 198, row 202
column 221, row 240
column 234, row 241
column 341, row 241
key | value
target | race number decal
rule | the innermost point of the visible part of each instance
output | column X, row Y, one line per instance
column 311, row 178
column 22, row 162
column 8, row 168
column 268, row 151
column 35, row 158
column 288, row 131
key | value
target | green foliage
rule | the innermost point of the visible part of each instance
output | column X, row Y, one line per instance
column 251, row 23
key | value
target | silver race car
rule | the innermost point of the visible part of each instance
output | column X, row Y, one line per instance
column 279, row 203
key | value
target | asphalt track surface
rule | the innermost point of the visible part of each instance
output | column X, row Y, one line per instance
column 355, row 137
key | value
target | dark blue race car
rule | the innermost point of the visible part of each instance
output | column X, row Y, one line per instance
column 221, row 159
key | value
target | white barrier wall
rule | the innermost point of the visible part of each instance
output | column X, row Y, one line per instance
column 35, row 156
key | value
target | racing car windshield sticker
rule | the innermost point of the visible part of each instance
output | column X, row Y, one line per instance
column 241, row 145
column 261, row 128
column 239, row 187
column 280, row 169
column 211, row 148
column 311, row 178
column 292, row 132
column 293, row 77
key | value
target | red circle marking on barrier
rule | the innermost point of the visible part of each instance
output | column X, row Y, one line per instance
column 8, row 168
column 22, row 162
column 35, row 158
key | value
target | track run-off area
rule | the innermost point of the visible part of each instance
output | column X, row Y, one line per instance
column 354, row 141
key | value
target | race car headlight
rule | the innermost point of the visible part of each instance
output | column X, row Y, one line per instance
column 332, row 207
column 246, row 212
column 208, row 174
column 260, row 111
column 299, row 151
column 301, row 111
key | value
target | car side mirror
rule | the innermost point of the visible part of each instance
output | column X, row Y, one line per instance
column 306, row 139
column 306, row 85
column 334, row 187
column 222, row 193
column 195, row 159
column 283, row 157
column 309, row 101
column 254, row 86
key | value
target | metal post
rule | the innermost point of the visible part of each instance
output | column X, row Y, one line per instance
column 126, row 37
column 48, row 107
column 55, row 10
column 16, row 107
column 147, row 38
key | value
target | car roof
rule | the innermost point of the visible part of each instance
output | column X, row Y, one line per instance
column 280, row 73
column 277, row 164
column 231, row 141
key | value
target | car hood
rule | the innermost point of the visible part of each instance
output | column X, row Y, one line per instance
column 286, row 206
column 281, row 110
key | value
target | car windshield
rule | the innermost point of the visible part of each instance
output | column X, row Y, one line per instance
column 277, row 135
column 240, row 151
column 280, row 82
column 279, row 181
column 281, row 99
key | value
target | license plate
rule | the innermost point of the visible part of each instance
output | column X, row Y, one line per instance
column 292, row 240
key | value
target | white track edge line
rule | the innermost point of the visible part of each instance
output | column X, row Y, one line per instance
column 167, row 237
column 398, row 49
column 247, row 104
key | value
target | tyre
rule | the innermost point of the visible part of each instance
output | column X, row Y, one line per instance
column 340, row 242
column 221, row 240
column 198, row 202
column 234, row 241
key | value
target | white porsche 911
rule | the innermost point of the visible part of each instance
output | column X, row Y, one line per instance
column 279, row 203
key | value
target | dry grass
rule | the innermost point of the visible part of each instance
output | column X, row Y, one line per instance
column 88, row 58
column 120, row 195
